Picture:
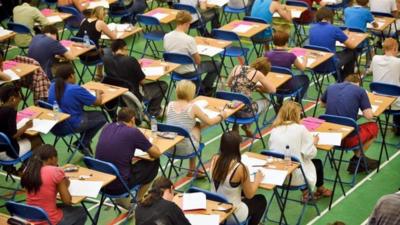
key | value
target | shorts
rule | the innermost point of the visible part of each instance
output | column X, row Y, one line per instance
column 185, row 147
column 367, row 132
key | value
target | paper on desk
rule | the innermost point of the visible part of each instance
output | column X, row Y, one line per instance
column 159, row 16
column 210, row 113
column 295, row 13
column 54, row 19
column 153, row 71
column 11, row 74
column 329, row 138
column 218, row 3
column 4, row 32
column 373, row 107
column 242, row 28
column 199, row 219
column 95, row 4
column 339, row 44
column 380, row 24
column 271, row 176
column 118, row 33
column 191, row 201
column 250, row 162
column 43, row 126
column 201, row 103
column 85, row 188
column 208, row 50
column 139, row 153
column 118, row 27
column 310, row 61
column 92, row 92
column 22, row 122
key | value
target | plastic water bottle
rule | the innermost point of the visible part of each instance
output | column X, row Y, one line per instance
column 86, row 39
column 56, row 110
column 153, row 123
column 288, row 156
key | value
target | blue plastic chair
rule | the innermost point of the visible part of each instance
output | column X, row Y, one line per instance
column 50, row 3
column 231, row 51
column 217, row 198
column 27, row 212
column 72, row 23
column 152, row 31
column 287, row 187
column 199, row 24
column 300, row 34
column 338, row 9
column 388, row 32
column 228, row 12
column 259, row 40
column 109, row 168
column 66, row 133
column 118, row 10
column 20, row 29
column 231, row 96
column 197, row 151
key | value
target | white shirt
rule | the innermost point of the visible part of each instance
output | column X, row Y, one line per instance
column 384, row 6
column 386, row 69
column 301, row 144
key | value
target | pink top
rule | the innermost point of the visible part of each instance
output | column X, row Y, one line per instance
column 45, row 198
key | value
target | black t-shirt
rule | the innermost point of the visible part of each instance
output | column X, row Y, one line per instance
column 160, row 212
column 8, row 126
column 125, row 68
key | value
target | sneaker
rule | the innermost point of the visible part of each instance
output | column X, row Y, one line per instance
column 372, row 164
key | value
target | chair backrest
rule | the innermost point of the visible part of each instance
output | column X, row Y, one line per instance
column 382, row 14
column 255, row 19
column 191, row 9
column 80, row 39
column 352, row 29
column 342, row 120
column 162, row 127
column 225, row 35
column 297, row 3
column 385, row 89
column 231, row 96
column 76, row 18
column 147, row 20
column 6, row 143
column 45, row 105
column 279, row 69
column 19, row 28
column 209, row 195
column 178, row 58
column 328, row 66
column 27, row 212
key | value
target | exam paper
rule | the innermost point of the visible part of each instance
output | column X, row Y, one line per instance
column 4, row 32
column 273, row 176
column 208, row 50
column 380, row 24
column 373, row 107
column 329, row 138
column 191, row 201
column 159, row 16
column 199, row 219
column 242, row 28
column 95, row 4
column 139, row 153
column 54, row 19
column 11, row 74
column 85, row 188
column 153, row 71
column 218, row 3
column 295, row 14
column 310, row 61
column 42, row 125
column 118, row 27
column 201, row 103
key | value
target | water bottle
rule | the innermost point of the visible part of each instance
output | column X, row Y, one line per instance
column 288, row 156
column 86, row 39
column 153, row 123
column 56, row 110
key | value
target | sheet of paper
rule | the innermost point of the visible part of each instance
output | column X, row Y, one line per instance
column 159, row 16
column 153, row 71
column 95, row 4
column 380, row 24
column 199, row 219
column 373, row 107
column 295, row 14
column 208, row 50
column 201, row 103
column 22, row 122
column 85, row 188
column 54, row 19
column 92, row 92
column 26, row 113
column 329, row 138
column 43, row 126
column 210, row 113
column 272, row 176
column 252, row 163
column 139, row 152
column 310, row 61
column 218, row 3
column 191, row 201
column 11, row 74
column 339, row 44
column 4, row 32
column 118, row 27
column 241, row 28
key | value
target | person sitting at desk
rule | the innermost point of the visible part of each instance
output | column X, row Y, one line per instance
column 117, row 144
column 3, row 76
column 48, row 40
column 246, row 80
column 27, row 15
column 389, row 7
column 177, row 41
column 43, row 180
column 308, row 15
column 287, row 132
column 126, row 69
column 386, row 210
column 158, row 207
column 183, row 113
column 345, row 99
column 358, row 15
column 207, row 14
column 323, row 33
column 80, row 5
column 71, row 99
column 231, row 178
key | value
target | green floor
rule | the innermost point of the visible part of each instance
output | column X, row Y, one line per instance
column 352, row 209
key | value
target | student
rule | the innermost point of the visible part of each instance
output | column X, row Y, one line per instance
column 117, row 144
column 264, row 9
column 27, row 15
column 80, row 5
column 386, row 210
column 48, row 40
column 287, row 131
column 9, row 101
column 43, row 180
column 358, row 15
column 385, row 69
column 137, row 7
column 177, row 41
column 308, row 15
column 71, row 99
column 158, row 207
column 183, row 113
column 345, row 99
column 324, row 34
column 231, row 178
column 132, row 74
column 389, row 7
column 246, row 80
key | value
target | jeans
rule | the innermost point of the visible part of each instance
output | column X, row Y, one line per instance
column 91, row 123
column 319, row 168
column 345, row 65
column 73, row 215
column 154, row 93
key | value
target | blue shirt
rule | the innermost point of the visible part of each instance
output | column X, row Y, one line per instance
column 261, row 10
column 43, row 49
column 344, row 99
column 74, row 99
column 357, row 17
column 324, row 34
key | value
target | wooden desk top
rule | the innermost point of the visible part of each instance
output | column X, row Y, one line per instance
column 383, row 102
column 255, row 29
column 318, row 56
column 21, row 69
column 62, row 15
column 295, row 11
column 171, row 14
column 275, row 163
column 277, row 79
column 383, row 23
column 7, row 36
column 355, row 37
column 212, row 42
column 4, row 218
column 333, row 128
column 213, row 207
column 94, row 176
column 124, row 34
column 76, row 49
column 216, row 104
column 168, row 67
column 110, row 91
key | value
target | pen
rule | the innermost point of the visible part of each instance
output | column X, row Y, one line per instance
column 259, row 165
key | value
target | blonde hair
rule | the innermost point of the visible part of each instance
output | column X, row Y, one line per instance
column 389, row 44
column 185, row 90
column 98, row 12
column 289, row 112
column 261, row 64
column 183, row 17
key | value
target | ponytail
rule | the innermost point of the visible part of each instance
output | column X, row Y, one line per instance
column 62, row 72
column 31, row 178
column 156, row 192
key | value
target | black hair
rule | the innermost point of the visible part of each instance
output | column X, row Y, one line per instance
column 156, row 192
column 62, row 73
column 7, row 91
column 31, row 179
column 117, row 45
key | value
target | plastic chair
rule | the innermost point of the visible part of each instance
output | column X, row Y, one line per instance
column 227, row 10
column 72, row 23
column 300, row 34
column 152, row 32
column 287, row 187
column 199, row 24
column 118, row 10
column 20, row 29
column 258, row 40
column 231, row 51
column 27, row 212
column 50, row 3
column 109, row 168
column 339, row 8
column 172, row 156
column 230, row 96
